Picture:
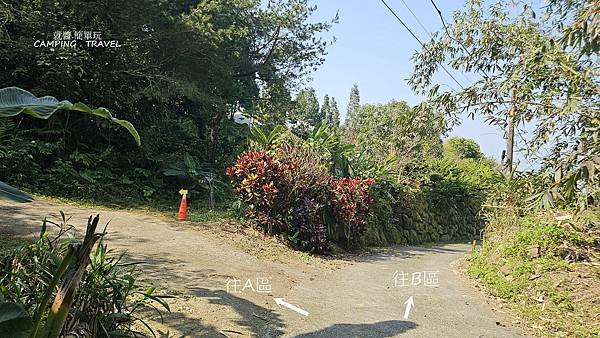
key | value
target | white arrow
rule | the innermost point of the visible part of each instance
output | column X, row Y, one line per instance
column 281, row 302
column 410, row 303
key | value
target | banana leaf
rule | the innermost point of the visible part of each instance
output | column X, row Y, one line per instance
column 13, row 194
column 15, row 101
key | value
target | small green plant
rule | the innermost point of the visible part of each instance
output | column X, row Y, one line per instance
column 94, row 292
column 196, row 178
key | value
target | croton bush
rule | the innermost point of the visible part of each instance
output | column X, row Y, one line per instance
column 292, row 193
column 352, row 202
column 259, row 180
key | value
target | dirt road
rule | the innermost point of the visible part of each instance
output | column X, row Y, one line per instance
column 360, row 297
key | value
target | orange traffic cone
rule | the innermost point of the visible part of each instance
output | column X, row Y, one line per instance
column 182, row 214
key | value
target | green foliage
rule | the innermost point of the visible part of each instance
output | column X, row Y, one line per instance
column 547, row 86
column 15, row 101
column 334, row 152
column 353, row 105
column 269, row 141
column 444, row 211
column 291, row 187
column 198, row 179
column 110, row 298
column 522, row 258
column 395, row 130
column 462, row 148
column 14, row 321
column 444, row 205
column 184, row 70
column 476, row 175
column 334, row 115
column 306, row 112
column 330, row 112
column 579, row 23
column 325, row 113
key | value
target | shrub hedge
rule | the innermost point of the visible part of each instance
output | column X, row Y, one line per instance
column 290, row 191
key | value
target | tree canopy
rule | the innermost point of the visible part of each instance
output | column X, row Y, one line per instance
column 525, row 76
column 182, row 71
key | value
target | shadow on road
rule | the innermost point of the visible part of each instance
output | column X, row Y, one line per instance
column 385, row 253
column 257, row 320
column 388, row 328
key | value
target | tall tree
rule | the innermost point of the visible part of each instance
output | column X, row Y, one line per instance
column 396, row 131
column 335, row 114
column 184, row 68
column 525, row 77
column 353, row 103
column 306, row 109
column 325, row 114
column 461, row 148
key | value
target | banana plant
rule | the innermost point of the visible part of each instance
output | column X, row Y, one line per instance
column 191, row 170
column 266, row 141
column 15, row 101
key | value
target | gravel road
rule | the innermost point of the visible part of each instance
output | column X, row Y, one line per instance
column 362, row 296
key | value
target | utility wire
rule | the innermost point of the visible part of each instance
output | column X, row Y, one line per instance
column 441, row 17
column 418, row 40
column 416, row 18
column 427, row 31
column 439, row 12
column 402, row 22
column 482, row 72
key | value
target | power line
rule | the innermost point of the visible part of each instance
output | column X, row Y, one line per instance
column 402, row 22
column 439, row 12
column 441, row 17
column 416, row 18
column 427, row 31
column 418, row 40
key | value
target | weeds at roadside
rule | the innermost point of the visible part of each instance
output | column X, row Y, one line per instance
column 546, row 268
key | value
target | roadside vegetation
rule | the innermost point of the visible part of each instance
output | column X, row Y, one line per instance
column 538, row 71
column 211, row 96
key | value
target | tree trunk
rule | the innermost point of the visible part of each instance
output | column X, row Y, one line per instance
column 510, row 134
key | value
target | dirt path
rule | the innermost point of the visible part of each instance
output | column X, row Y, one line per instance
column 358, row 298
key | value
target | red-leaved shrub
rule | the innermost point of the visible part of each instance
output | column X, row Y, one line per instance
column 351, row 206
column 259, row 180
column 291, row 192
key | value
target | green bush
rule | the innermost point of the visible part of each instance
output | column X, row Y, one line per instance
column 110, row 300
column 446, row 207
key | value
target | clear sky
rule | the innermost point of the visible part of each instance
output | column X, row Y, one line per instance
column 374, row 50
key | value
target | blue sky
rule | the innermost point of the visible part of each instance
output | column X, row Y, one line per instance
column 374, row 50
